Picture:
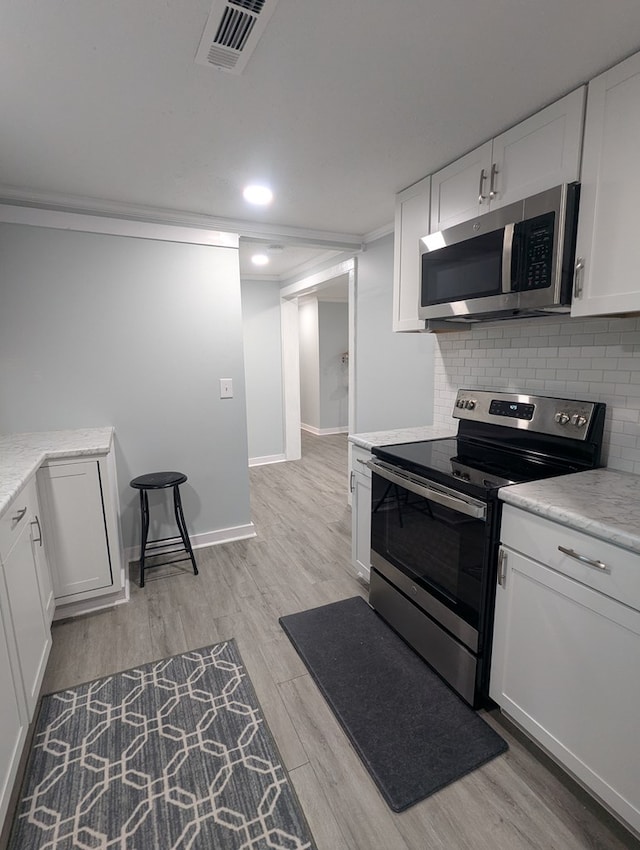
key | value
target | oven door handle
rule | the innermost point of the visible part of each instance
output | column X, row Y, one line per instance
column 421, row 487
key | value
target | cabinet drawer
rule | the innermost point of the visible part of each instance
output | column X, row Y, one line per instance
column 618, row 576
column 20, row 512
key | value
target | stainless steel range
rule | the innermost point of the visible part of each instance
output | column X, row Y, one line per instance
column 436, row 517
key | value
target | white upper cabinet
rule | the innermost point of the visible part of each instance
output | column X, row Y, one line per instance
column 608, row 248
column 412, row 222
column 537, row 154
column 461, row 190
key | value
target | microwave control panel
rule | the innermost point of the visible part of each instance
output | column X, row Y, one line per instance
column 535, row 237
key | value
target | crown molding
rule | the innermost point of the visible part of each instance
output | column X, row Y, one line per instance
column 378, row 233
column 85, row 223
column 263, row 278
column 75, row 204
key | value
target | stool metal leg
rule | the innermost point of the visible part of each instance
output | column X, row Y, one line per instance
column 182, row 526
column 144, row 530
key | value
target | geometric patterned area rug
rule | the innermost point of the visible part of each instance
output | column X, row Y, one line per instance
column 174, row 755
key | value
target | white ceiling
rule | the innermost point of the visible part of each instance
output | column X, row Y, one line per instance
column 341, row 105
column 285, row 261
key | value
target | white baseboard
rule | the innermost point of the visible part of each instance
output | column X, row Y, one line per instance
column 207, row 538
column 223, row 535
column 263, row 461
column 324, row 432
column 76, row 608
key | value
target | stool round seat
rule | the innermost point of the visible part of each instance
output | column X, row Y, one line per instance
column 158, row 480
column 162, row 546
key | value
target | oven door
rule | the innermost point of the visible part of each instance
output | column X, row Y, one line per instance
column 431, row 542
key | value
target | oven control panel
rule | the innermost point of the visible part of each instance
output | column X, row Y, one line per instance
column 512, row 409
column 556, row 416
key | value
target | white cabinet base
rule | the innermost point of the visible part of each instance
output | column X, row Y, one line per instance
column 82, row 535
column 360, row 512
column 565, row 666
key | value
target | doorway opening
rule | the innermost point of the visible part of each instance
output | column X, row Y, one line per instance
column 322, row 287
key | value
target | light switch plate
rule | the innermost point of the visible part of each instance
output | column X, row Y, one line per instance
column 226, row 388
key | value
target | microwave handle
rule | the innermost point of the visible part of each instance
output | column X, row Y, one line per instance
column 507, row 257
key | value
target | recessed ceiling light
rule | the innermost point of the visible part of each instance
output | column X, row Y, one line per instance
column 260, row 195
column 260, row 259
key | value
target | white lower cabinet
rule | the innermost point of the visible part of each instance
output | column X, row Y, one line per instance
column 25, row 636
column 13, row 719
column 361, row 512
column 566, row 653
column 80, row 529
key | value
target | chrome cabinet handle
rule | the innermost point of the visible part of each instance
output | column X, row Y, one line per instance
column 483, row 177
column 36, row 521
column 578, row 277
column 590, row 562
column 502, row 567
column 351, row 481
column 492, row 184
column 16, row 519
column 360, row 460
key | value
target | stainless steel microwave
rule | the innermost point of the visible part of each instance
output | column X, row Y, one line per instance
column 516, row 261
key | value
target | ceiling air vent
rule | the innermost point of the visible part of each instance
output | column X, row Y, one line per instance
column 232, row 33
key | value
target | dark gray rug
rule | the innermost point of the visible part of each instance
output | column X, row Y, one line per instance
column 413, row 734
column 173, row 755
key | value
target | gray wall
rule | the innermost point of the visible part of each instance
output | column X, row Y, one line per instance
column 263, row 367
column 333, row 331
column 394, row 371
column 309, row 363
column 106, row 330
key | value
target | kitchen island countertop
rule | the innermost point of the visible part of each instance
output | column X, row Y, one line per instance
column 22, row 454
column 604, row 503
column 396, row 436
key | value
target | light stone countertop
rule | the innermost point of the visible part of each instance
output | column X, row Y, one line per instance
column 394, row 437
column 604, row 503
column 22, row 454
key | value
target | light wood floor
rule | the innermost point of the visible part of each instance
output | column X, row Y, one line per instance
column 301, row 559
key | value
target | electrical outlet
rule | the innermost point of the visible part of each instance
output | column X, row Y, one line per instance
column 226, row 388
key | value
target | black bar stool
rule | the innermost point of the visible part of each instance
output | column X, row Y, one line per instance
column 151, row 548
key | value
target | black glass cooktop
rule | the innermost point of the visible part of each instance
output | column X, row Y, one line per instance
column 474, row 468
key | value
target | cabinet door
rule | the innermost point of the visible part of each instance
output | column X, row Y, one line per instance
column 461, row 190
column 539, row 153
column 608, row 248
column 32, row 635
column 361, row 513
column 564, row 666
column 75, row 528
column 43, row 571
column 13, row 728
column 412, row 222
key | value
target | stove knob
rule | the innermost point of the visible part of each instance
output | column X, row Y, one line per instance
column 470, row 404
column 561, row 418
column 578, row 420
column 460, row 402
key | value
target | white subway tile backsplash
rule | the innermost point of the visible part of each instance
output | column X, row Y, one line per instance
column 593, row 359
